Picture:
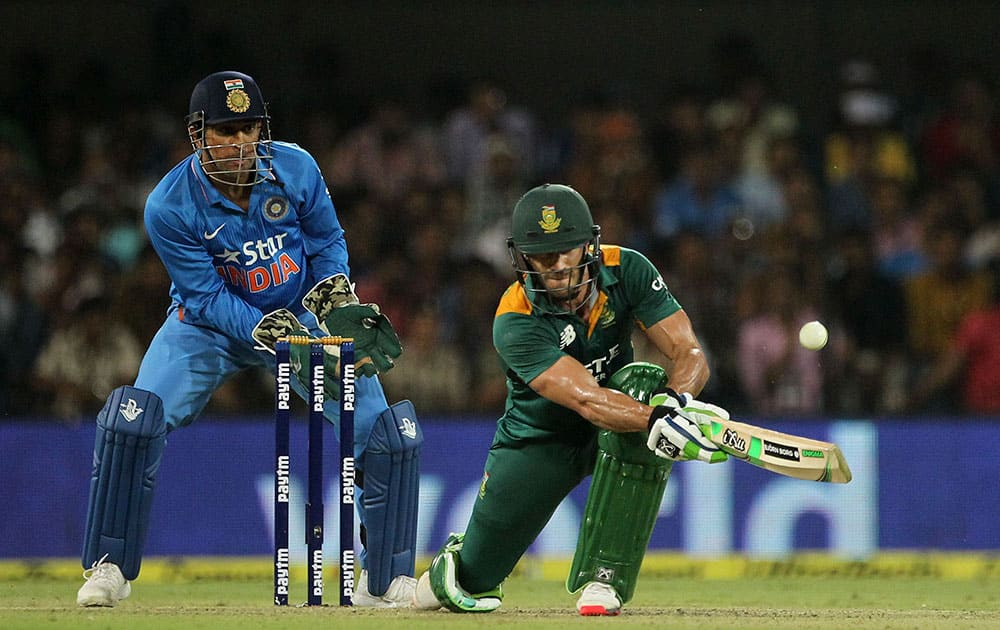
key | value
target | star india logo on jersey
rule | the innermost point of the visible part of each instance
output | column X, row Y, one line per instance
column 257, row 265
column 550, row 222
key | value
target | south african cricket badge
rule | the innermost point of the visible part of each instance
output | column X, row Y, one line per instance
column 550, row 222
column 607, row 317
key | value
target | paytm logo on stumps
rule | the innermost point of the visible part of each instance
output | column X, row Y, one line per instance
column 347, row 384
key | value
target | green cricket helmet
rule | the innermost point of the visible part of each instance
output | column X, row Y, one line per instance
column 554, row 218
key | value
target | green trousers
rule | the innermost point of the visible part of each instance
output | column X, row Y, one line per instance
column 523, row 484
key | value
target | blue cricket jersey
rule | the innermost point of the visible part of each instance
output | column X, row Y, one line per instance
column 229, row 267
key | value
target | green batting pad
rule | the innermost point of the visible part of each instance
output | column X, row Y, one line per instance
column 622, row 507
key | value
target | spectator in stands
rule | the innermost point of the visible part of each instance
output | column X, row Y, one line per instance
column 485, row 114
column 897, row 230
column 868, row 308
column 79, row 270
column 364, row 220
column 23, row 330
column 970, row 193
column 489, row 196
column 799, row 240
column 939, row 298
column 967, row 132
column 863, row 146
column 434, row 375
column 756, row 117
column 698, row 200
column 618, row 171
column 779, row 376
column 693, row 268
column 149, row 279
column 467, row 317
column 679, row 121
column 85, row 358
column 969, row 368
column 762, row 192
column 386, row 157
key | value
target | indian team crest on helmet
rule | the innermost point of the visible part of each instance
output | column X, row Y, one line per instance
column 275, row 208
column 237, row 101
column 550, row 222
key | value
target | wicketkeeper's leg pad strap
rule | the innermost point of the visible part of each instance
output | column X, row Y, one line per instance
column 622, row 506
column 391, row 489
column 131, row 434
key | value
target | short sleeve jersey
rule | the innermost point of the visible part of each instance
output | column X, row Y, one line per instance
column 530, row 341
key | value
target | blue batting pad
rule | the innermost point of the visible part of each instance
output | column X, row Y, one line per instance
column 131, row 434
column 391, row 489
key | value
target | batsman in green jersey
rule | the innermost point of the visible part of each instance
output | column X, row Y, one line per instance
column 577, row 405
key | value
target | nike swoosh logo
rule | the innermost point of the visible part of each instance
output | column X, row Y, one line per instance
column 210, row 235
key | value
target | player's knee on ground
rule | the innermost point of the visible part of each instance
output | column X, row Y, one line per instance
column 443, row 575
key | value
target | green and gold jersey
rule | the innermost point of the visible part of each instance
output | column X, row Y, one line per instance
column 530, row 341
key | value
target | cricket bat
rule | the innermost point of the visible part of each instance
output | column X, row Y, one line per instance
column 789, row 455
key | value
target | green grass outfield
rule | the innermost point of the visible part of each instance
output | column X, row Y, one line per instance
column 891, row 591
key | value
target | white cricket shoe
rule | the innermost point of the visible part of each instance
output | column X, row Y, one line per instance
column 423, row 596
column 398, row 595
column 598, row 599
column 105, row 585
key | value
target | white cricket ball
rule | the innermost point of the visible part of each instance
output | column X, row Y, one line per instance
column 813, row 335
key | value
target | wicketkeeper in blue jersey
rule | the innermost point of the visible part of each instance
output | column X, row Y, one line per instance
column 249, row 236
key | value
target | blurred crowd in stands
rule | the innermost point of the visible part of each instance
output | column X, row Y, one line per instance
column 883, row 222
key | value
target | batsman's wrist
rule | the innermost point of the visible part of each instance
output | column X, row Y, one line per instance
column 669, row 391
column 664, row 395
column 659, row 411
